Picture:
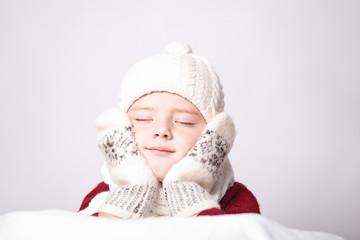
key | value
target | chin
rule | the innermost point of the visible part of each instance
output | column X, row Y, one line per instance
column 160, row 177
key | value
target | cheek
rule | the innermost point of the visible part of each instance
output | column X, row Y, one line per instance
column 140, row 136
column 138, row 139
column 188, row 141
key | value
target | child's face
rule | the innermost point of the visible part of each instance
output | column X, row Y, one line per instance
column 166, row 126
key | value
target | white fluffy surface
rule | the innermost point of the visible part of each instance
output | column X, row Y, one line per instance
column 56, row 224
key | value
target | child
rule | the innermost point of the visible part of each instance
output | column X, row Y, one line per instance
column 167, row 143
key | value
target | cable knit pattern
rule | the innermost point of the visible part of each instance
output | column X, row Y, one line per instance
column 199, row 180
column 175, row 70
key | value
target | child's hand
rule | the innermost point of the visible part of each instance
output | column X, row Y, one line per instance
column 135, row 183
column 188, row 183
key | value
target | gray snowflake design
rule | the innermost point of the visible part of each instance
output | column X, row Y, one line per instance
column 210, row 150
column 118, row 143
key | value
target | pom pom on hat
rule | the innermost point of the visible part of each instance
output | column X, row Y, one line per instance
column 176, row 70
column 178, row 47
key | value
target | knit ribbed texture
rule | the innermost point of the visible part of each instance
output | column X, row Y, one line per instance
column 129, row 202
column 238, row 199
column 187, row 199
column 175, row 70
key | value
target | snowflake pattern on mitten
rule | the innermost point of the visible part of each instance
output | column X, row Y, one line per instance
column 117, row 143
column 210, row 150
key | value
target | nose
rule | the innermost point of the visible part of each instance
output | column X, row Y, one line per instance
column 162, row 130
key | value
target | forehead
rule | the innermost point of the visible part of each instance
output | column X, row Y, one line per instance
column 164, row 101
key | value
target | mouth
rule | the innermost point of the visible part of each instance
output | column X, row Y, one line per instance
column 160, row 151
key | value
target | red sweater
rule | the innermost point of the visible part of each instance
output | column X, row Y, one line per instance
column 238, row 199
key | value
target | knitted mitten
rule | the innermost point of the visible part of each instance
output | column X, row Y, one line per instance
column 188, row 183
column 135, row 182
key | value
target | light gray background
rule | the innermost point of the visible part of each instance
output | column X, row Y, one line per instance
column 290, row 71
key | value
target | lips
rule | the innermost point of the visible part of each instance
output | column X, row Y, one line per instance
column 160, row 151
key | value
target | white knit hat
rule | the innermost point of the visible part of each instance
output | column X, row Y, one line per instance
column 175, row 70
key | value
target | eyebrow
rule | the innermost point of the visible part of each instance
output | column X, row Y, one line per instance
column 140, row 108
column 175, row 110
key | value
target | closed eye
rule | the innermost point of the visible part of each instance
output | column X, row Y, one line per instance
column 185, row 123
column 143, row 119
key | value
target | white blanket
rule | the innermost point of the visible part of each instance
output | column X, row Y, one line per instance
column 56, row 224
